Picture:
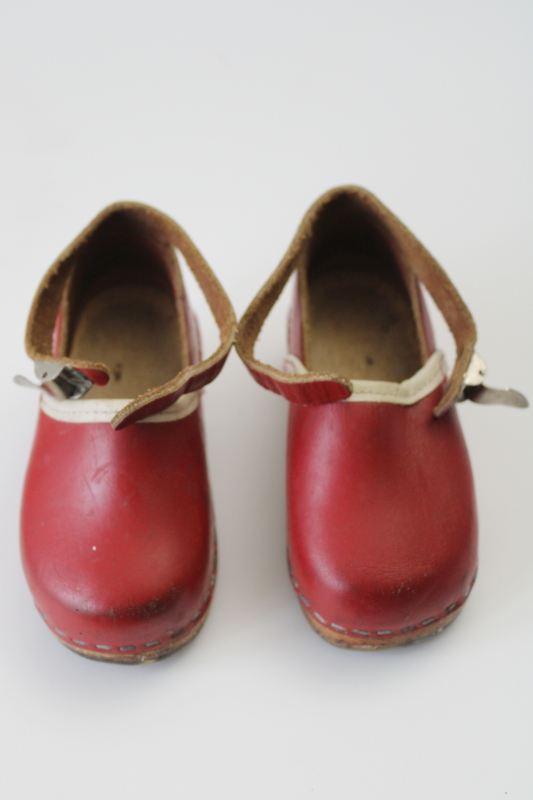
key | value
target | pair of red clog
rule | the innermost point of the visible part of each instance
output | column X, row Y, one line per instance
column 118, row 538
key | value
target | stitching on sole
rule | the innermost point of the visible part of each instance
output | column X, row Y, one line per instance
column 130, row 647
column 408, row 629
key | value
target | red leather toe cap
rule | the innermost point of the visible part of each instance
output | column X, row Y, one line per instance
column 118, row 543
column 382, row 520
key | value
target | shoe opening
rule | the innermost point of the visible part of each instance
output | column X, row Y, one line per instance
column 360, row 308
column 125, row 306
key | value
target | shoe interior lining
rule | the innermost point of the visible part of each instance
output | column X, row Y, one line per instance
column 357, row 309
column 134, row 331
column 126, row 310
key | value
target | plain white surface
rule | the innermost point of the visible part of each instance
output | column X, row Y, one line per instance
column 232, row 117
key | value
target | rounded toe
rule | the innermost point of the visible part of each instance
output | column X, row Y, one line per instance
column 118, row 546
column 382, row 521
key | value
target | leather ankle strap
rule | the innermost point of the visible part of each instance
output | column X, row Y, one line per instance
column 47, row 303
column 315, row 387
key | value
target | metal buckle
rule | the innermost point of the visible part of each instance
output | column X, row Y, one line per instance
column 474, row 389
column 60, row 380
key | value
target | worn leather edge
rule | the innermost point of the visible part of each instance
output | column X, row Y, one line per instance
column 410, row 252
column 46, row 304
column 405, row 393
column 88, row 412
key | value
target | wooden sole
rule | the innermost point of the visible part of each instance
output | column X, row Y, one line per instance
column 146, row 657
column 349, row 642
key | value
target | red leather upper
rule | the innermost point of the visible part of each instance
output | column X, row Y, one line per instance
column 382, row 526
column 300, row 389
column 118, row 542
column 382, row 521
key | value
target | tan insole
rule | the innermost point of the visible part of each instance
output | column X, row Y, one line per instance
column 361, row 324
column 134, row 331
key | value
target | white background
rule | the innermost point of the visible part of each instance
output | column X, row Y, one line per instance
column 233, row 116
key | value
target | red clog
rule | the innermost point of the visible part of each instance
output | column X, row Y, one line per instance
column 118, row 540
column 382, row 531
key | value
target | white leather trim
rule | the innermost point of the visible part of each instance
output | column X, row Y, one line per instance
column 77, row 411
column 406, row 393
